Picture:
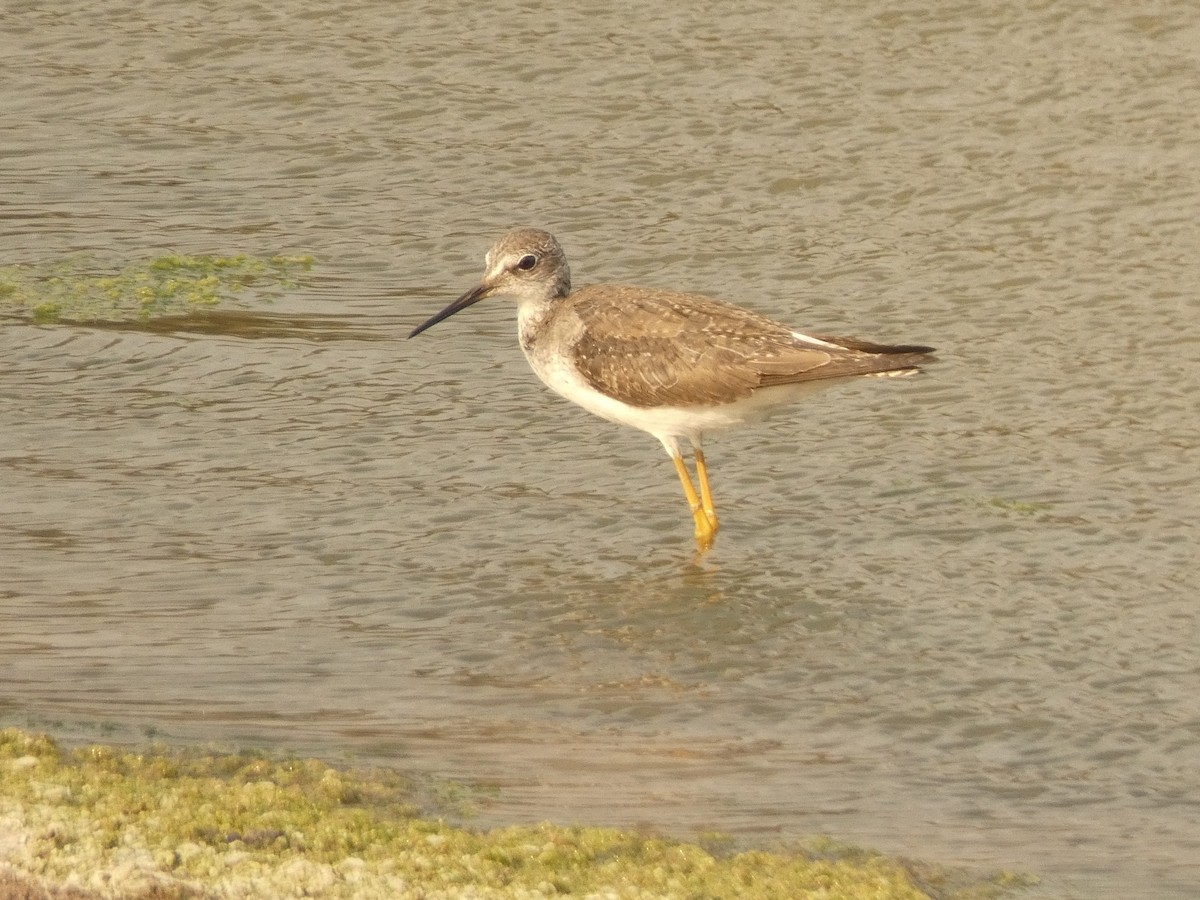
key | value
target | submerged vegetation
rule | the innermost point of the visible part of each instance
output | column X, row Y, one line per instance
column 105, row 822
column 169, row 285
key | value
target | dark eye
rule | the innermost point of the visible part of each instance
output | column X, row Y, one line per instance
column 527, row 262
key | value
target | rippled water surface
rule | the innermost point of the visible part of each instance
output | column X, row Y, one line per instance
column 954, row 616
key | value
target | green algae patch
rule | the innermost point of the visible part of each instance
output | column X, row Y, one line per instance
column 169, row 285
column 166, row 823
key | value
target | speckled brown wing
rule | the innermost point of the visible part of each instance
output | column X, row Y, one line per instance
column 852, row 357
column 662, row 348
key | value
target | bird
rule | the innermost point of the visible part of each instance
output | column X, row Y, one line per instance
column 676, row 365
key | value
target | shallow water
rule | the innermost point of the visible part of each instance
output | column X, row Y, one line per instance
column 952, row 616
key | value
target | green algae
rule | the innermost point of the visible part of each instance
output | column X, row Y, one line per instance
column 175, row 284
column 169, row 823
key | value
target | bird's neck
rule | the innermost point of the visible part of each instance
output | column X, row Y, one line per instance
column 532, row 318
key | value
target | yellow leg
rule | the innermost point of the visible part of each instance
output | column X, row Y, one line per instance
column 706, row 501
column 705, row 530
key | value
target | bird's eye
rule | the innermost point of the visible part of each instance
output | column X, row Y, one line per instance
column 527, row 262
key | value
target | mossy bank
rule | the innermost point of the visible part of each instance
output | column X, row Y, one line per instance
column 102, row 821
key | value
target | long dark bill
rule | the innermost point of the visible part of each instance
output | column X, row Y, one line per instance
column 474, row 295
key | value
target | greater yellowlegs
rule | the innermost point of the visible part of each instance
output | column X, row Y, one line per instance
column 674, row 365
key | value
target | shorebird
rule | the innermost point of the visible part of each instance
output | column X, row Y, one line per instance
column 672, row 364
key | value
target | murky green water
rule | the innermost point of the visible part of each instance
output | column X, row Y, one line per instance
column 953, row 616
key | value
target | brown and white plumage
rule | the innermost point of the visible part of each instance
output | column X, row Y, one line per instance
column 661, row 348
column 672, row 364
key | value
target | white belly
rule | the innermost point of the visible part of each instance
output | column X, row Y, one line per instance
column 667, row 423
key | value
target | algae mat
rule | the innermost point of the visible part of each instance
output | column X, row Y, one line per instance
column 103, row 821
